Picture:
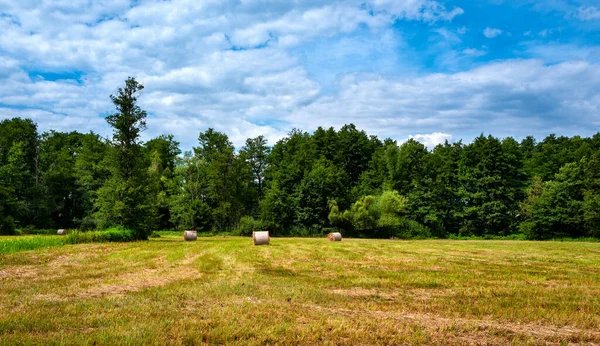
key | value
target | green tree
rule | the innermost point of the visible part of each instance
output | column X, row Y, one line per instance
column 558, row 211
column 391, row 207
column 410, row 168
column 162, row 154
column 188, row 207
column 19, row 155
column 372, row 181
column 8, row 202
column 591, row 194
column 223, row 180
column 493, row 183
column 125, row 198
column 255, row 153
column 354, row 151
column 323, row 183
column 92, row 169
column 57, row 164
column 290, row 159
column 437, row 202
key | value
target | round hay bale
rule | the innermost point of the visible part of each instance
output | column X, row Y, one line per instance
column 190, row 235
column 61, row 232
column 261, row 238
column 335, row 236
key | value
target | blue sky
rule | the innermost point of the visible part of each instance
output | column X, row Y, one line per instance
column 431, row 70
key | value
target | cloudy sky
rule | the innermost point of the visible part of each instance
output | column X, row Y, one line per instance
column 430, row 70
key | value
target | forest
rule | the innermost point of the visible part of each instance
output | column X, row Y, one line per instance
column 305, row 184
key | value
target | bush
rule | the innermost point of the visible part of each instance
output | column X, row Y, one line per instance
column 28, row 229
column 300, row 231
column 79, row 237
column 113, row 234
column 119, row 234
column 33, row 230
column 88, row 223
column 516, row 236
column 412, row 229
column 7, row 226
column 248, row 225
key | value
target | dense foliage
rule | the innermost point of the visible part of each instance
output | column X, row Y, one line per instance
column 306, row 183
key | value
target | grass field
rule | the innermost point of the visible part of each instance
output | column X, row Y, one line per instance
column 302, row 291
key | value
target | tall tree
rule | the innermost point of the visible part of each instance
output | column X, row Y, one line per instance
column 354, row 151
column 290, row 159
column 255, row 152
column 19, row 148
column 492, row 180
column 218, row 155
column 162, row 154
column 189, row 207
column 92, row 169
column 558, row 211
column 125, row 198
column 436, row 200
column 323, row 183
column 57, row 163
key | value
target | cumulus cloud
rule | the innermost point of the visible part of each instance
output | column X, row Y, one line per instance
column 432, row 139
column 513, row 98
column 491, row 32
column 245, row 71
column 426, row 10
column 588, row 13
column 473, row 52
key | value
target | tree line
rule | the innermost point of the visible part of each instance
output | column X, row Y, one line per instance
column 305, row 184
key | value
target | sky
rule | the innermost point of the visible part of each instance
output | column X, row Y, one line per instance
column 423, row 69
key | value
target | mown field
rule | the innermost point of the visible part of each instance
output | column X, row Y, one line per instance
column 224, row 290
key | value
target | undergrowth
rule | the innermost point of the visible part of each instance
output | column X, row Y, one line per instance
column 28, row 243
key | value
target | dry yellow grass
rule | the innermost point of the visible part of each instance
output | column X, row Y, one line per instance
column 302, row 291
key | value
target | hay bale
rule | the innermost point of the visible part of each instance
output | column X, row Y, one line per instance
column 335, row 236
column 61, row 232
column 190, row 235
column 261, row 238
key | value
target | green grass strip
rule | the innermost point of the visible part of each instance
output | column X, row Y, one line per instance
column 14, row 244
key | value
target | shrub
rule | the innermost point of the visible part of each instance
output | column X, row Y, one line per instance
column 27, row 229
column 88, row 223
column 412, row 229
column 119, row 234
column 79, row 237
column 113, row 234
column 248, row 225
column 33, row 230
column 301, row 231
column 7, row 226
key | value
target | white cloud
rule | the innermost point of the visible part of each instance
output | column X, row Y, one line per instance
column 513, row 98
column 491, row 32
column 201, row 67
column 473, row 52
column 588, row 13
column 426, row 10
column 432, row 139
column 555, row 52
column 545, row 32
